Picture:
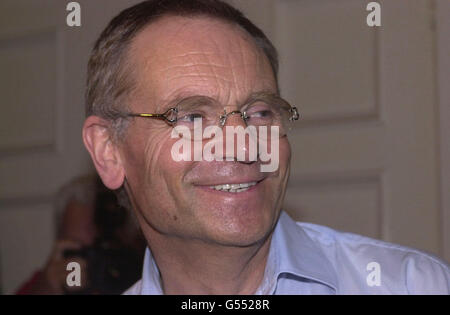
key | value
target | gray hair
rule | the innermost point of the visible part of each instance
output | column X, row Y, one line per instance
column 81, row 190
column 85, row 190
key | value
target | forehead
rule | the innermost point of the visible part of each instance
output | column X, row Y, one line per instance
column 179, row 56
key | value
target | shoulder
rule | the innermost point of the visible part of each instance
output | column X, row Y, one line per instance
column 136, row 289
column 358, row 260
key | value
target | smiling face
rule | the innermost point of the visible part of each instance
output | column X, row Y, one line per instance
column 175, row 58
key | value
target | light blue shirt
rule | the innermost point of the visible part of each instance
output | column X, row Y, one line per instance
column 306, row 258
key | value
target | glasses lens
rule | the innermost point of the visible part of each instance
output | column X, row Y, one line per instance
column 198, row 113
column 197, row 109
column 195, row 114
column 273, row 112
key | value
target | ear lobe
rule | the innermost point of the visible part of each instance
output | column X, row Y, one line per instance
column 104, row 153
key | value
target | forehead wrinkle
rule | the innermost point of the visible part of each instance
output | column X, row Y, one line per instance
column 204, row 77
column 146, row 52
column 171, row 67
column 259, row 95
column 209, row 74
column 234, row 77
column 213, row 74
column 236, row 55
column 213, row 69
column 243, row 89
column 231, row 58
column 212, row 65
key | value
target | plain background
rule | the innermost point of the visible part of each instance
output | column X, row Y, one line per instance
column 370, row 156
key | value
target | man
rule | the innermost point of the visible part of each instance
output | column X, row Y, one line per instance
column 91, row 229
column 153, row 65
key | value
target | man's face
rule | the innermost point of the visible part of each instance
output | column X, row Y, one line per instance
column 179, row 57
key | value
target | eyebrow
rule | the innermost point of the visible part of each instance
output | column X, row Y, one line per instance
column 261, row 95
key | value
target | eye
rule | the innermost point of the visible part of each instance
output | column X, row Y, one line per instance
column 189, row 118
column 260, row 111
column 261, row 114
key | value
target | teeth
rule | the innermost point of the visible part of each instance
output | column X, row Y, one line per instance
column 234, row 188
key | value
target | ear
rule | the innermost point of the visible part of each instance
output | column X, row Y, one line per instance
column 104, row 153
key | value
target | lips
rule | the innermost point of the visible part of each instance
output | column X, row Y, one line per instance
column 226, row 177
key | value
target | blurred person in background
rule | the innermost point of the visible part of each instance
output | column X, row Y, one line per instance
column 99, row 234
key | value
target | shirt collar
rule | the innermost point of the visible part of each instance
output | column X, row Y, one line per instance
column 151, row 279
column 291, row 251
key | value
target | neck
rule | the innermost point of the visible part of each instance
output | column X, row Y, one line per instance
column 196, row 267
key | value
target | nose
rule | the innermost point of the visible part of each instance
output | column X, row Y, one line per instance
column 239, row 145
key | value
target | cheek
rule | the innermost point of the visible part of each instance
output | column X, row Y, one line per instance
column 284, row 156
column 285, row 151
column 139, row 152
column 155, row 180
column 148, row 159
column 162, row 174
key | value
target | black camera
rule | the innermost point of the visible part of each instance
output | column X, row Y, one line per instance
column 111, row 269
column 112, row 265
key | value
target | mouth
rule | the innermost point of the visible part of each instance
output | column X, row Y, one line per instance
column 234, row 188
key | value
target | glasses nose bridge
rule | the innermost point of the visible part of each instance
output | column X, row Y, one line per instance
column 224, row 117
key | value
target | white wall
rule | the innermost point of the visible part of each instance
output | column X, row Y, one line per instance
column 370, row 156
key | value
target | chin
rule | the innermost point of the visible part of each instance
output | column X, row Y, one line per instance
column 241, row 234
